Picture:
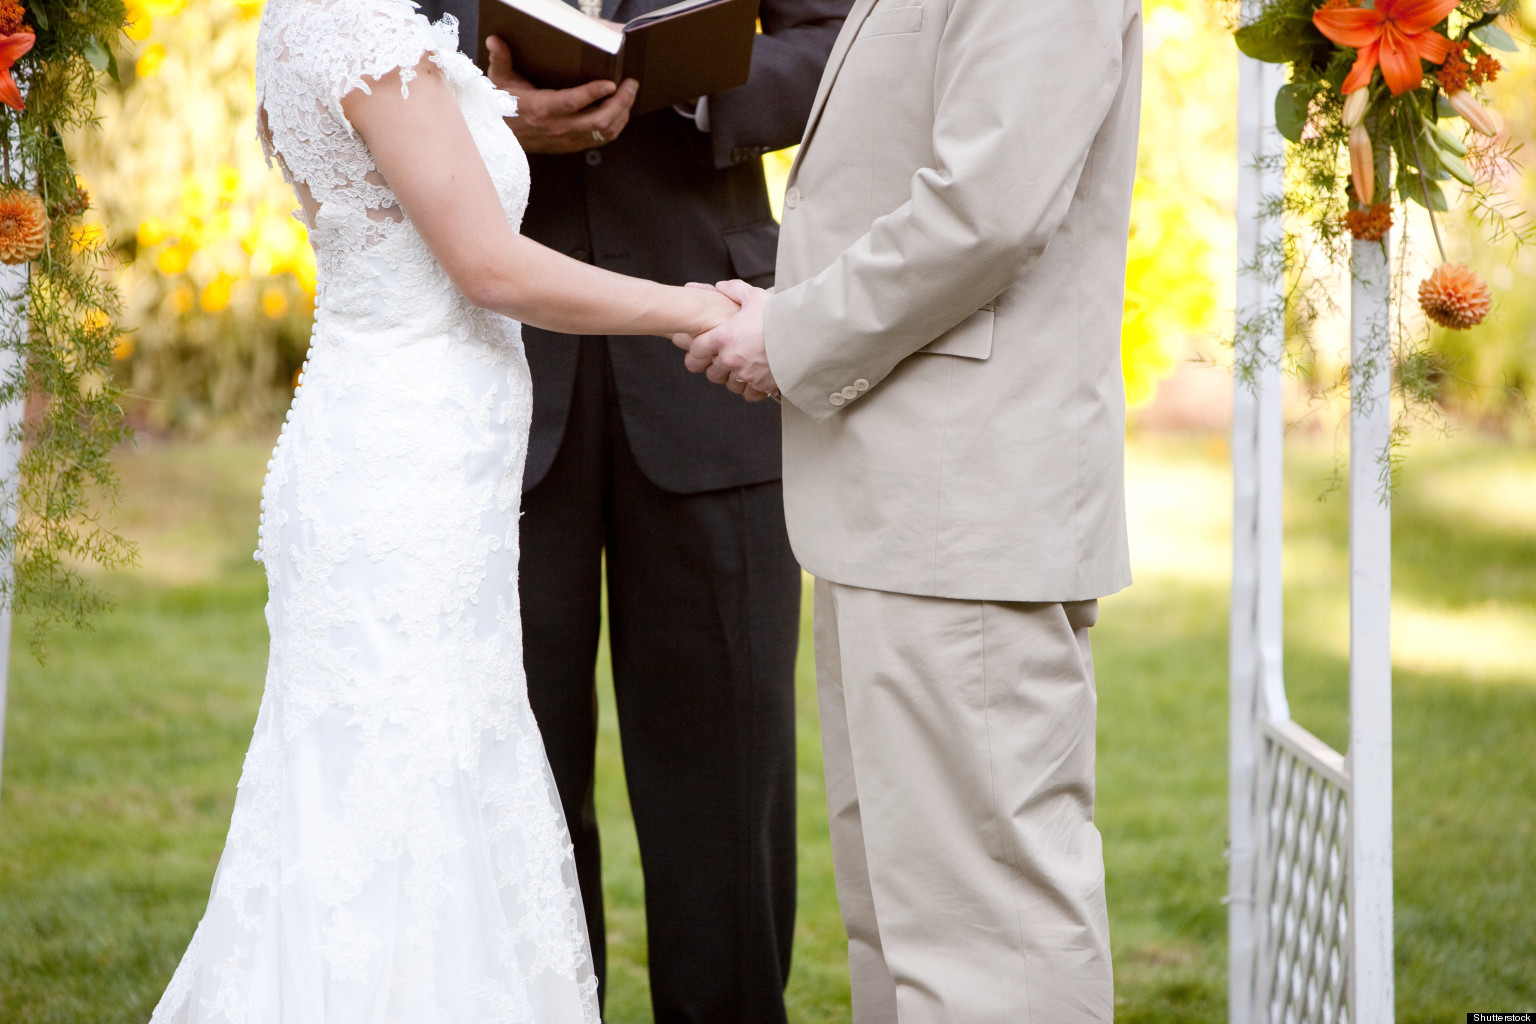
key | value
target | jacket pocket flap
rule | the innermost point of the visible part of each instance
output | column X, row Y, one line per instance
column 892, row 21
column 972, row 339
column 753, row 250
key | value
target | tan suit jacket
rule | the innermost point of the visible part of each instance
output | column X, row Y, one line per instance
column 946, row 330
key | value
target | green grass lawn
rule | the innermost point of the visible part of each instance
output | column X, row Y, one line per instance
column 123, row 750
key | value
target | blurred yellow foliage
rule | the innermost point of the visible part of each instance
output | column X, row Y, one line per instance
column 218, row 278
column 1169, row 290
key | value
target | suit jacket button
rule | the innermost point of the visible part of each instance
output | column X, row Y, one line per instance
column 594, row 158
column 837, row 399
column 850, row 392
column 861, row 385
column 792, row 198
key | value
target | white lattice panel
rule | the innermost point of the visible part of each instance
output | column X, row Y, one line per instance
column 1303, row 879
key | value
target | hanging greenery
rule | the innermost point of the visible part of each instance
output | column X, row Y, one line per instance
column 60, row 322
column 1383, row 111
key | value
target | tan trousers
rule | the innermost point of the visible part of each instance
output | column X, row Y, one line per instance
column 959, row 751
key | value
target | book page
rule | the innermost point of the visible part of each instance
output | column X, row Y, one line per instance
column 572, row 22
column 668, row 11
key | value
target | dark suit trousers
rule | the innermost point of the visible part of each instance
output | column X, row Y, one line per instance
column 703, row 604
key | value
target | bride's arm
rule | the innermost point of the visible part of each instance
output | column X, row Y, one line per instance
column 423, row 148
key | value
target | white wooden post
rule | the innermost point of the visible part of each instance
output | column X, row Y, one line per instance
column 1370, row 638
column 1255, row 658
column 13, row 312
column 1310, row 878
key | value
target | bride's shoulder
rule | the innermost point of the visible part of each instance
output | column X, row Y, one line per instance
column 330, row 28
column 340, row 42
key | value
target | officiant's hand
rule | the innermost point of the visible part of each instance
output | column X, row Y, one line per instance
column 561, row 120
column 734, row 354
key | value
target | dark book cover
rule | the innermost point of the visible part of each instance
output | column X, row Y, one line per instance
column 677, row 54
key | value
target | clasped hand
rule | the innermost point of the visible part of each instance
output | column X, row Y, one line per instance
column 733, row 353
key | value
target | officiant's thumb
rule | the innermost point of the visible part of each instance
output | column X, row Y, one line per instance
column 500, row 62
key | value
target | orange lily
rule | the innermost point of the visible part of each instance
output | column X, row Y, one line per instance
column 1397, row 34
column 11, row 49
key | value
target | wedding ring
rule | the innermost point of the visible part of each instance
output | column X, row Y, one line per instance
column 597, row 136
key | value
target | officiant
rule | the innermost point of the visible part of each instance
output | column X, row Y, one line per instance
column 671, row 485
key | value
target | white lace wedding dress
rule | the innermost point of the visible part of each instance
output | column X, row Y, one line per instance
column 397, row 853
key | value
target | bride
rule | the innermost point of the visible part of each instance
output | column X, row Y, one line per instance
column 397, row 853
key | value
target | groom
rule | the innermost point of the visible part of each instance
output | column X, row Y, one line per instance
column 945, row 340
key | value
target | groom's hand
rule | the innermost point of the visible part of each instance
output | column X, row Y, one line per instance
column 734, row 353
column 561, row 120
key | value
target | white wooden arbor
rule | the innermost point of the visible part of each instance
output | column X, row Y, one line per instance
column 1310, row 873
column 13, row 312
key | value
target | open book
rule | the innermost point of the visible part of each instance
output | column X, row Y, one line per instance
column 677, row 54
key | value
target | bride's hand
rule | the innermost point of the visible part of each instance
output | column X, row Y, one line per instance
column 713, row 308
column 734, row 353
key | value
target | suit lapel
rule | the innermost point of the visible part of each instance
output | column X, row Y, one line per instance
column 845, row 38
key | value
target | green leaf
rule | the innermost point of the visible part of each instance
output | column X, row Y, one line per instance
column 1278, row 40
column 1494, row 37
column 1292, row 104
column 39, row 17
column 112, row 69
column 98, row 55
column 1411, row 186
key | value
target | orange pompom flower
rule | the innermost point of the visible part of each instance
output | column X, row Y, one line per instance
column 1396, row 34
column 1486, row 69
column 1455, row 73
column 11, row 17
column 1455, row 297
column 12, row 47
column 1370, row 225
column 23, row 226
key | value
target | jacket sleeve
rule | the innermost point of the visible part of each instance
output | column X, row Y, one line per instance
column 770, row 111
column 1021, row 91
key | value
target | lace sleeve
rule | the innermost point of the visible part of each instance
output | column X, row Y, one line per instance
column 350, row 44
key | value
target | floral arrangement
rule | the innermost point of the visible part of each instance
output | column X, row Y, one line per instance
column 1382, row 79
column 60, row 318
column 1385, row 108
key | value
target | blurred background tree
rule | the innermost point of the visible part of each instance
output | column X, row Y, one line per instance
column 217, row 276
column 219, row 280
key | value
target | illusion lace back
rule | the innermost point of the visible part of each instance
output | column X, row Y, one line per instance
column 397, row 853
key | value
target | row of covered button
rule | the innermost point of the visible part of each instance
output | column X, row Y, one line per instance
column 848, row 394
column 266, row 484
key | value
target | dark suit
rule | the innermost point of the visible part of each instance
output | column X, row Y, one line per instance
column 674, row 483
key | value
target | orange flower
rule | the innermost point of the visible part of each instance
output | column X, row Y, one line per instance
column 1454, row 74
column 23, row 226
column 11, row 49
column 1486, row 69
column 1370, row 225
column 1455, row 297
column 1397, row 34
column 11, row 14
